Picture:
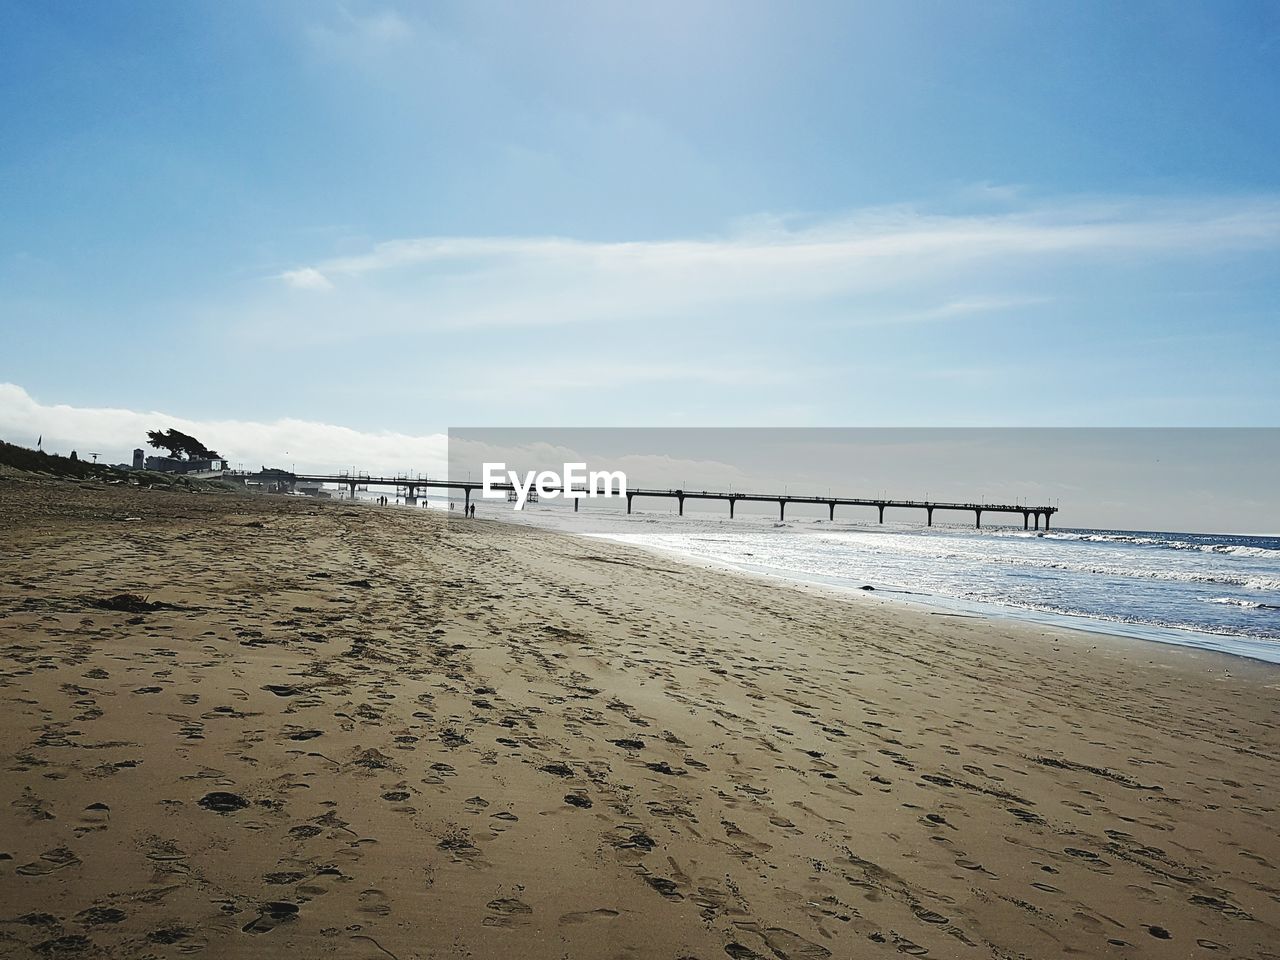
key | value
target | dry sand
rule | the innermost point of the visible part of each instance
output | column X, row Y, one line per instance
column 362, row 732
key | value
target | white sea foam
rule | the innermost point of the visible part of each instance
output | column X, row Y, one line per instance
column 1243, row 551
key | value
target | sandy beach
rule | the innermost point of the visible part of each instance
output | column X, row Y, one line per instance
column 359, row 732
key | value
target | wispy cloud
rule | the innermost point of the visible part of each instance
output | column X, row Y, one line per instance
column 354, row 36
column 304, row 444
column 937, row 266
column 872, row 237
column 963, row 308
column 568, row 373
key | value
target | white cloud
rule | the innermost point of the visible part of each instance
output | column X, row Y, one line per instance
column 768, row 268
column 288, row 443
column 306, row 278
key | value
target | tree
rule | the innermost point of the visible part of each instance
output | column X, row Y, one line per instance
column 180, row 445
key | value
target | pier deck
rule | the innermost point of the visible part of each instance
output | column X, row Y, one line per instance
column 413, row 484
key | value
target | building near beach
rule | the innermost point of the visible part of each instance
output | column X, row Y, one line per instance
column 197, row 468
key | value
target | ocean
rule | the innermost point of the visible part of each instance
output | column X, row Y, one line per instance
column 1215, row 592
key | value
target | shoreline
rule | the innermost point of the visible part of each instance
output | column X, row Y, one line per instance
column 1000, row 614
column 1245, row 648
column 330, row 730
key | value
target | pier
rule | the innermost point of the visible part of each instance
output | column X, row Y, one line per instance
column 411, row 486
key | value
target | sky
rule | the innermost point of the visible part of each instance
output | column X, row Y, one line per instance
column 322, row 234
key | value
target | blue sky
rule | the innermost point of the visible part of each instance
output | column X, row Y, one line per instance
column 397, row 218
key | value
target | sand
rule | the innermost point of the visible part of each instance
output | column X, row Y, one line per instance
column 370, row 732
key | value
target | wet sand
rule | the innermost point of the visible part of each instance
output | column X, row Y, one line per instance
column 363, row 732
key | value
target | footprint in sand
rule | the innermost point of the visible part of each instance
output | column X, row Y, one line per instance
column 374, row 903
column 743, row 839
column 94, row 916
column 508, row 912
column 459, row 846
column 94, row 817
column 63, row 946
column 316, row 888
column 792, row 946
column 1087, row 855
column 165, row 851
column 220, row 801
column 271, row 915
column 587, row 916
column 283, row 877
column 929, row 916
column 170, row 935
column 909, row 947
column 668, row 888
column 51, row 861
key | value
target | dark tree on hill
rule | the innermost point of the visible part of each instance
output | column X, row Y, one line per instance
column 180, row 445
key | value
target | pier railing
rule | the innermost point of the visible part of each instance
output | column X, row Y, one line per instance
column 411, row 484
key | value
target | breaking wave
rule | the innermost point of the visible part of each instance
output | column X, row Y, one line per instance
column 1165, row 541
